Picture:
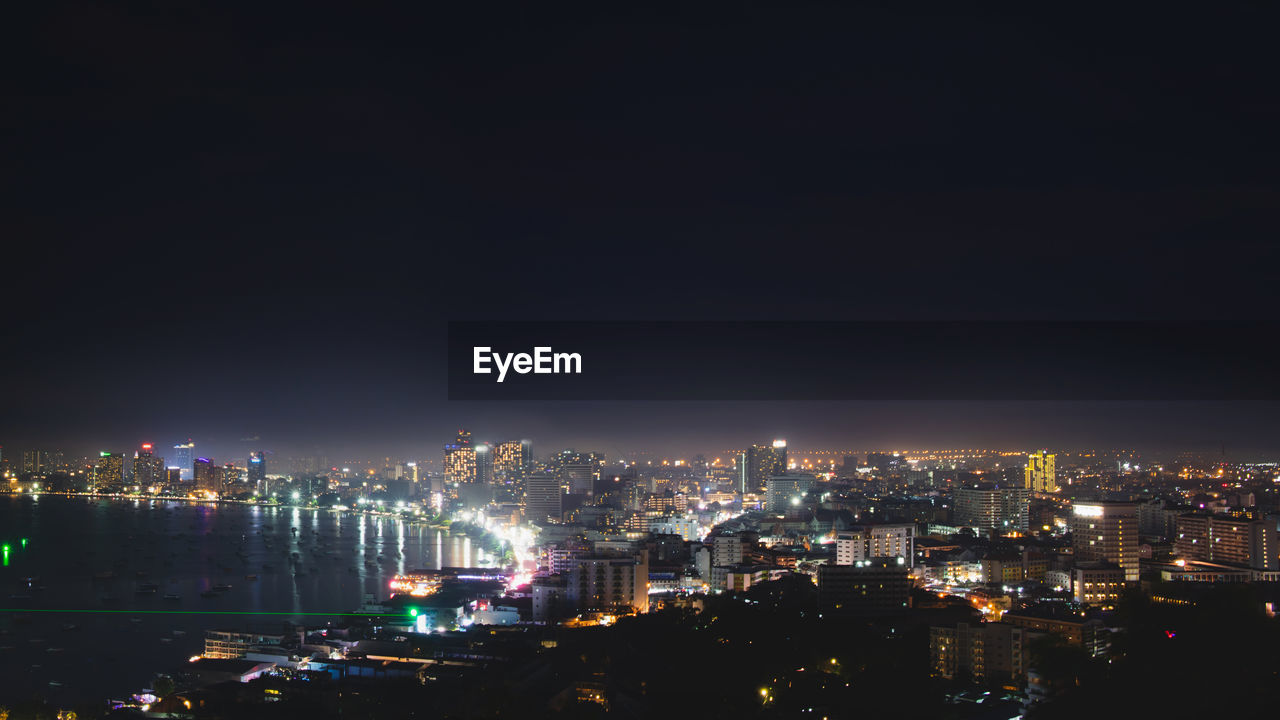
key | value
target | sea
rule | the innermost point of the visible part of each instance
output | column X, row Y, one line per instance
column 98, row 595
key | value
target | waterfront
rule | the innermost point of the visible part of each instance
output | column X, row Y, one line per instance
column 94, row 554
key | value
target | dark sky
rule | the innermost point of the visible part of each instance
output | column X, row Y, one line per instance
column 226, row 223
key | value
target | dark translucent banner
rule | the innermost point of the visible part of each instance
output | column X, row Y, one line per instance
column 860, row 361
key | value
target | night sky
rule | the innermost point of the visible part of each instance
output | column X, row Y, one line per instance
column 255, row 223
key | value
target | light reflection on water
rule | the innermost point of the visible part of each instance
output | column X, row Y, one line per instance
column 185, row 549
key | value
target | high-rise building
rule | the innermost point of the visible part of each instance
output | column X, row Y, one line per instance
column 1209, row 537
column 148, row 469
column 257, row 475
column 543, row 501
column 608, row 582
column 460, row 460
column 512, row 459
column 871, row 587
column 207, row 476
column 42, row 462
column 782, row 491
column 990, row 651
column 893, row 541
column 108, row 472
column 184, row 456
column 484, row 463
column 1040, row 475
column 579, row 478
column 1001, row 509
column 764, row 462
column 230, row 480
column 1106, row 532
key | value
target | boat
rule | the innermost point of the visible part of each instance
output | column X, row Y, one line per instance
column 221, row 588
column 172, row 597
column 147, row 589
column 250, row 577
column 209, row 594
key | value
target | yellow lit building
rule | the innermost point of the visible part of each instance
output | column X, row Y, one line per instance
column 1040, row 473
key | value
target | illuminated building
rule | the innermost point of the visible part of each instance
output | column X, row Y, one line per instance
column 230, row 478
column 764, row 462
column 895, row 542
column 231, row 644
column 1040, row 475
column 184, row 456
column 1215, row 538
column 580, row 478
column 1001, row 509
column 1097, row 583
column 460, row 460
column 207, row 476
column 484, row 464
column 418, row 584
column 606, row 582
column 512, row 459
column 1106, row 532
column 148, row 470
column 990, row 651
column 108, row 472
column 543, row 499
column 1091, row 635
column 257, row 476
column 782, row 491
column 42, row 462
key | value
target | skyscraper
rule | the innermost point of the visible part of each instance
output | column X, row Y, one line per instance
column 207, row 476
column 512, row 459
column 1106, row 532
column 258, row 472
column 460, row 460
column 41, row 461
column 108, row 472
column 484, row 463
column 183, row 459
column 1215, row 538
column 765, row 461
column 579, row 478
column 1001, row 509
column 785, row 490
column 1040, row 474
column 543, row 501
column 148, row 469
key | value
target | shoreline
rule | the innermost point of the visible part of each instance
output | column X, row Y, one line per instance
column 494, row 548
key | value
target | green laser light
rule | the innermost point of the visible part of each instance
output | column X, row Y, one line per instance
column 413, row 612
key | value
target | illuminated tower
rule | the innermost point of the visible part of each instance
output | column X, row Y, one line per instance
column 208, row 476
column 258, row 472
column 765, row 461
column 1040, row 475
column 512, row 459
column 484, row 463
column 1106, row 532
column 148, row 470
column 108, row 472
column 460, row 460
column 183, row 458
